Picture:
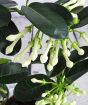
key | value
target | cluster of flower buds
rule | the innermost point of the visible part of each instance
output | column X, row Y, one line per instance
column 74, row 3
column 53, row 48
column 35, row 48
column 15, row 38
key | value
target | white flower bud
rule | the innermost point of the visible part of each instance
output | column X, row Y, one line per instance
column 69, row 64
column 9, row 49
column 11, row 37
column 41, row 102
column 49, row 67
column 34, row 80
column 55, row 97
column 43, row 58
column 75, row 18
column 45, row 94
column 81, row 52
column 67, row 52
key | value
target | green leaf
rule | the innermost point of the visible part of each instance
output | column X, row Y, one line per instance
column 83, row 17
column 12, row 72
column 5, row 16
column 8, row 3
column 78, row 70
column 4, row 92
column 4, row 60
column 4, row 32
column 28, row 91
column 62, row 63
column 46, row 19
column 61, row 1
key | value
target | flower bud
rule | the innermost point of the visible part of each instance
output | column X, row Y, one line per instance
column 9, row 49
column 20, row 55
column 49, row 67
column 75, row 18
column 41, row 102
column 80, row 50
column 44, row 57
column 34, row 80
column 11, row 37
column 45, row 94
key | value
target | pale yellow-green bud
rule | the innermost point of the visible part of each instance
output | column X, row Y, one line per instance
column 75, row 18
column 49, row 67
column 9, row 49
column 11, row 37
column 70, row 2
column 84, row 36
column 80, row 50
column 45, row 94
column 44, row 57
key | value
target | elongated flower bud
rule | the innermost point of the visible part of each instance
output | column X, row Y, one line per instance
column 84, row 36
column 41, row 102
column 64, row 46
column 11, row 37
column 54, row 55
column 49, row 67
column 44, row 57
column 69, row 63
column 9, row 49
column 34, row 80
column 20, row 55
column 75, row 18
column 80, row 50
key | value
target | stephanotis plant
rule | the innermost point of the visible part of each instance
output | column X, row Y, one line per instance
column 63, row 58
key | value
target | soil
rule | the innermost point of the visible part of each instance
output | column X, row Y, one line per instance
column 12, row 101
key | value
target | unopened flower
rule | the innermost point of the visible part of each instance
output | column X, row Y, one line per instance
column 20, row 55
column 80, row 50
column 45, row 94
column 64, row 46
column 9, row 49
column 49, row 67
column 27, row 62
column 84, row 36
column 34, row 80
column 44, row 57
column 11, row 37
column 75, row 18
column 41, row 102
column 69, row 63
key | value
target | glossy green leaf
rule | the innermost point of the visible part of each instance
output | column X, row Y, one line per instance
column 4, row 32
column 78, row 70
column 62, row 63
column 83, row 17
column 8, row 3
column 4, row 92
column 61, row 1
column 28, row 91
column 12, row 72
column 46, row 19
column 4, row 60
column 5, row 16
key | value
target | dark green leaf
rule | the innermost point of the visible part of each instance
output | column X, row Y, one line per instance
column 46, row 19
column 4, row 32
column 8, row 3
column 28, row 91
column 4, row 60
column 12, row 72
column 4, row 92
column 78, row 70
column 5, row 16
column 61, row 1
column 83, row 17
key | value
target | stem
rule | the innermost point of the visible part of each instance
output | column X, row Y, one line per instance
column 16, row 10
